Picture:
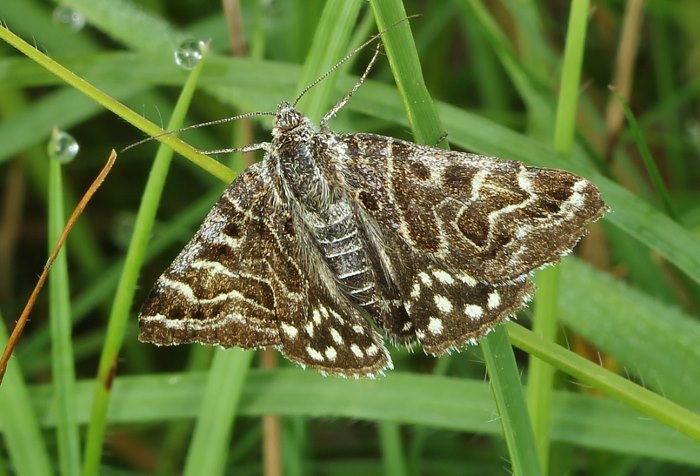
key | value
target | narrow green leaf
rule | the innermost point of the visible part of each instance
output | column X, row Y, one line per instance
column 219, row 405
column 426, row 127
column 649, row 163
column 456, row 404
column 403, row 58
column 646, row 401
column 124, row 295
column 334, row 36
column 62, row 360
column 541, row 374
column 510, row 401
column 392, row 449
column 18, row 420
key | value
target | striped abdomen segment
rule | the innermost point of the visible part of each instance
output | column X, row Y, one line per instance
column 344, row 249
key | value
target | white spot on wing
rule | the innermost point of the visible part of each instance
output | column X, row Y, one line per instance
column 337, row 316
column 494, row 300
column 466, row 279
column 335, row 335
column 443, row 276
column 473, row 311
column 442, row 303
column 435, row 326
column 331, row 354
column 477, row 183
column 291, row 331
column 232, row 243
column 415, row 291
column 309, row 328
column 355, row 349
column 182, row 288
column 425, row 278
column 313, row 353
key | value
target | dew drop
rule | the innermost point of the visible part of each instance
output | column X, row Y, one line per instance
column 62, row 146
column 69, row 17
column 189, row 53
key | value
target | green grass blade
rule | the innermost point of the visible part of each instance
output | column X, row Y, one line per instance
column 212, row 435
column 62, row 360
column 649, row 162
column 405, row 65
column 540, row 374
column 510, row 401
column 571, row 77
column 393, row 460
column 207, row 163
column 121, row 308
column 20, row 426
column 626, row 323
column 426, row 128
column 646, row 401
column 334, row 36
column 455, row 404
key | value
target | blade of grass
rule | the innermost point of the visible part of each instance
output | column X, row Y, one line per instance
column 209, row 449
column 184, row 149
column 646, row 401
column 541, row 374
column 62, row 360
column 333, row 32
column 124, row 295
column 20, row 426
column 393, row 459
column 510, row 401
column 403, row 58
column 649, row 162
column 455, row 404
column 426, row 128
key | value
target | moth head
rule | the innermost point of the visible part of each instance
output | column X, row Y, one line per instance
column 287, row 118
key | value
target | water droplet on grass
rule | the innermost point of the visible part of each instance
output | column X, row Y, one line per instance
column 189, row 53
column 69, row 17
column 62, row 146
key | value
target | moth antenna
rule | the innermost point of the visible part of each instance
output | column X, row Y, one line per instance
column 195, row 126
column 348, row 56
column 340, row 104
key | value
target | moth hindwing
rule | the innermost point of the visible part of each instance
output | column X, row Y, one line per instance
column 436, row 247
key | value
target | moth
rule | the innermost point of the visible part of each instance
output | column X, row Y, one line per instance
column 335, row 241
